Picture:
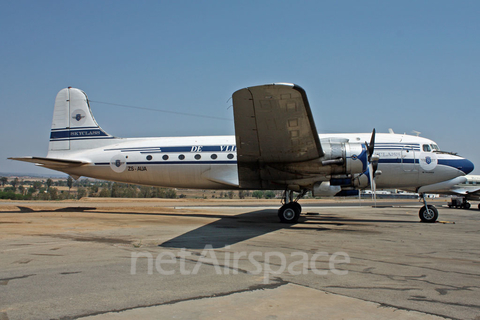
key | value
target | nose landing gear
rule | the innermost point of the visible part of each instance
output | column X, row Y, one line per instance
column 428, row 213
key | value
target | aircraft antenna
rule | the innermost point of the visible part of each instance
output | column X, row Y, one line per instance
column 164, row 111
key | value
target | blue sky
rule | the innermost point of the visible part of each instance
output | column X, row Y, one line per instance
column 406, row 65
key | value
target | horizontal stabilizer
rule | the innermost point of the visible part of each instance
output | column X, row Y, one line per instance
column 52, row 162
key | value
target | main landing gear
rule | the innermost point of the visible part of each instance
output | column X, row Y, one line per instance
column 428, row 213
column 290, row 211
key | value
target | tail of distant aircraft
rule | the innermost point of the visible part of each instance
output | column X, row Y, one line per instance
column 73, row 124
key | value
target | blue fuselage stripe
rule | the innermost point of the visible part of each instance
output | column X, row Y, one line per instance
column 169, row 162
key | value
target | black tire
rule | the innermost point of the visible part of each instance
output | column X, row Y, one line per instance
column 429, row 216
column 297, row 205
column 467, row 205
column 289, row 213
column 479, row 206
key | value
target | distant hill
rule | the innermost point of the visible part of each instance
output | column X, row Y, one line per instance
column 33, row 175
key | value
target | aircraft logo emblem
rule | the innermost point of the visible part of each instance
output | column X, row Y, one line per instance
column 78, row 117
column 118, row 163
column 428, row 160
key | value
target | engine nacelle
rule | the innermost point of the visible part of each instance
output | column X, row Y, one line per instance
column 344, row 157
column 341, row 159
column 324, row 189
column 360, row 181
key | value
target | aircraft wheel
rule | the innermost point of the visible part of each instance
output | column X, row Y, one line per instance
column 467, row 205
column 430, row 215
column 479, row 206
column 297, row 205
column 289, row 213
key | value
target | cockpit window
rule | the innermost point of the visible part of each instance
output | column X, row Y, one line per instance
column 435, row 147
column 427, row 148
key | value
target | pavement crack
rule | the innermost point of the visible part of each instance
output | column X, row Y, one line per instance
column 223, row 294
column 414, row 266
column 475, row 306
column 5, row 281
column 372, row 288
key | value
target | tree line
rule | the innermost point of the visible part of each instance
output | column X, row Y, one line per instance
column 16, row 189
column 49, row 189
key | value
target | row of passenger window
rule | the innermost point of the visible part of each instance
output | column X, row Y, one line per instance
column 197, row 157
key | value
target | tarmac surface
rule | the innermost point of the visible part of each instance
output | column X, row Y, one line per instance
column 206, row 259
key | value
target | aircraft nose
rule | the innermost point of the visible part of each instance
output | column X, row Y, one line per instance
column 465, row 165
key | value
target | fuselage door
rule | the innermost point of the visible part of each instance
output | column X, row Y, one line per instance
column 409, row 161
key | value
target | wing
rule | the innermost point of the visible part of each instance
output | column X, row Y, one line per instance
column 470, row 193
column 473, row 194
column 273, row 125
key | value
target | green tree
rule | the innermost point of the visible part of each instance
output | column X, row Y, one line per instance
column 130, row 191
column 105, row 192
column 53, row 193
column 49, row 183
column 257, row 194
column 4, row 181
column 93, row 191
column 145, row 192
column 170, row 194
column 14, row 183
column 116, row 190
column 81, row 192
column 69, row 184
column 269, row 194
column 37, row 185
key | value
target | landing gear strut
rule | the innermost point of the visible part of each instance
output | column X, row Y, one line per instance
column 428, row 213
column 290, row 211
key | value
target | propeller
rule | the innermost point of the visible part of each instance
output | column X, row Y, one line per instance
column 371, row 146
column 372, row 165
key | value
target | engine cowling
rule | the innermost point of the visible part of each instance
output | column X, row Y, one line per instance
column 324, row 189
column 353, row 174
column 342, row 160
column 351, row 156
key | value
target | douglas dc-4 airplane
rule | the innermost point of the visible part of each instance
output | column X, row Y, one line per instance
column 461, row 188
column 276, row 147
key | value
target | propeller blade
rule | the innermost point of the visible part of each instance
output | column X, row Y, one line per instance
column 371, row 145
column 373, row 185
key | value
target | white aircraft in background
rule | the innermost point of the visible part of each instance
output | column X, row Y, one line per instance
column 462, row 188
column 276, row 147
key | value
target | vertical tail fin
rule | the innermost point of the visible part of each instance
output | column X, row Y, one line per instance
column 73, row 124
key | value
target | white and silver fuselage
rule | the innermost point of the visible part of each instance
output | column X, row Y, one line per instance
column 210, row 162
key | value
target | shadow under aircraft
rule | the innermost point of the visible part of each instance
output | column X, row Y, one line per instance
column 229, row 230
column 232, row 229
